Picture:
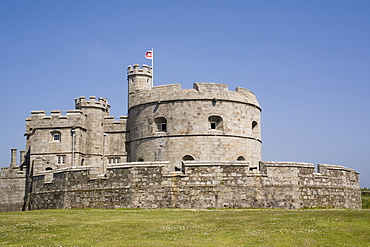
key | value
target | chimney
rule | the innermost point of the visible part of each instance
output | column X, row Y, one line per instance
column 22, row 158
column 13, row 161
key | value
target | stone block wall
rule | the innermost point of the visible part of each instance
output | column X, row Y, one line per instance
column 200, row 185
column 331, row 186
column 187, row 114
column 89, row 136
column 12, row 189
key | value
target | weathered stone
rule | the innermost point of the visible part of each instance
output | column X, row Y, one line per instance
column 177, row 148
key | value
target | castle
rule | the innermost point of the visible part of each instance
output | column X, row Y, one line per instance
column 176, row 148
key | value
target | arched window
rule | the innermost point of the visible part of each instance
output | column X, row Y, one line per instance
column 254, row 128
column 56, row 136
column 48, row 169
column 254, row 124
column 240, row 158
column 187, row 157
column 140, row 160
column 215, row 123
column 161, row 124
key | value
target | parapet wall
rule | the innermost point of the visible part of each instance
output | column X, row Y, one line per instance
column 39, row 119
column 136, row 70
column 12, row 189
column 200, row 91
column 93, row 102
column 200, row 185
column 111, row 125
column 72, row 118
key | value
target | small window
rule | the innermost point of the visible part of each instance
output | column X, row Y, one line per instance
column 254, row 128
column 56, row 136
column 188, row 157
column 113, row 160
column 140, row 160
column 161, row 124
column 240, row 158
column 215, row 123
column 48, row 169
column 61, row 160
column 254, row 124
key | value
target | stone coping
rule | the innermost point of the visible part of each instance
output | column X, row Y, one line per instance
column 139, row 164
column 287, row 164
column 337, row 167
column 216, row 163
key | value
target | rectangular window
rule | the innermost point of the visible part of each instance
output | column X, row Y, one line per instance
column 61, row 159
column 213, row 125
column 56, row 137
column 113, row 160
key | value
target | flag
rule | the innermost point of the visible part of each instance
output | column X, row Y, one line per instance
column 149, row 55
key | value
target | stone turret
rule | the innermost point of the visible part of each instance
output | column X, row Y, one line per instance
column 101, row 103
column 95, row 110
column 139, row 78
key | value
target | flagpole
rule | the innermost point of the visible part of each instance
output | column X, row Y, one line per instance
column 152, row 67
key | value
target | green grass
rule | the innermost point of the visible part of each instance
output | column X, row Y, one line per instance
column 365, row 202
column 172, row 227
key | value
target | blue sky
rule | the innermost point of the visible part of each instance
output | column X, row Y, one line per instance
column 308, row 62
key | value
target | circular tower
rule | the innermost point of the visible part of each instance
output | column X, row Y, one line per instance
column 139, row 78
column 206, row 123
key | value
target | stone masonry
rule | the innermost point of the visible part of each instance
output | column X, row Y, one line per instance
column 177, row 148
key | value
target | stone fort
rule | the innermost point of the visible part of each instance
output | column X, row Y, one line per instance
column 176, row 148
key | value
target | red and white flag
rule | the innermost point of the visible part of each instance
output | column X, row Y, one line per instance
column 149, row 55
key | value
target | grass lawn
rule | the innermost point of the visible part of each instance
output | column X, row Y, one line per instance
column 186, row 227
column 366, row 202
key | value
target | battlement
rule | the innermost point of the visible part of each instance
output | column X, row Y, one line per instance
column 93, row 102
column 113, row 125
column 53, row 114
column 136, row 70
column 305, row 174
column 200, row 91
column 112, row 119
column 39, row 119
column 210, row 87
column 223, row 184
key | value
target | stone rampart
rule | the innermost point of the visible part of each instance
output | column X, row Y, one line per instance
column 200, row 185
column 331, row 186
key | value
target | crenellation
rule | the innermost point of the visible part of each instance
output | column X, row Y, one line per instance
column 38, row 114
column 145, row 69
column 93, row 102
column 201, row 91
column 56, row 113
